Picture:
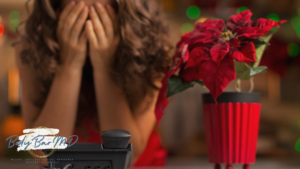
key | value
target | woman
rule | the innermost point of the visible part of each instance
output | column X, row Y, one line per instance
column 93, row 65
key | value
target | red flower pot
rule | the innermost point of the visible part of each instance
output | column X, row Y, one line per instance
column 231, row 128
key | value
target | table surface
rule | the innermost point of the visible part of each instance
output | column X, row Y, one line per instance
column 176, row 163
column 198, row 163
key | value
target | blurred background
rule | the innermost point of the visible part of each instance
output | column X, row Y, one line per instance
column 182, row 128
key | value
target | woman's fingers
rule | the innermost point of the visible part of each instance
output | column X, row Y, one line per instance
column 77, row 28
column 83, row 40
column 106, row 20
column 112, row 14
column 64, row 14
column 98, row 27
column 90, row 33
column 72, row 17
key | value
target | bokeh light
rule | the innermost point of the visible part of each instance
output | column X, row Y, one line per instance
column 187, row 27
column 12, row 125
column 14, row 20
column 1, row 30
column 201, row 20
column 295, row 22
column 242, row 8
column 13, row 27
column 274, row 17
column 293, row 49
column 297, row 147
column 298, row 31
column 193, row 12
column 14, row 15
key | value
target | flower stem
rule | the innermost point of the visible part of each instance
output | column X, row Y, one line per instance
column 251, row 85
column 238, row 85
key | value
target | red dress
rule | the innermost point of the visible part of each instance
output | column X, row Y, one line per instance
column 154, row 154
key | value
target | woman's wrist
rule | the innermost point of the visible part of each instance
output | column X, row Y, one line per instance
column 101, row 68
column 67, row 71
column 100, row 73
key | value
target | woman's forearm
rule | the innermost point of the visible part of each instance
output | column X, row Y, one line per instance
column 59, row 110
column 114, row 111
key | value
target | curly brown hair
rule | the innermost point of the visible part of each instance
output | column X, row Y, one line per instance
column 144, row 46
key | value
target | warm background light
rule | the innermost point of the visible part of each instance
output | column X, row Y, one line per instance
column 13, row 87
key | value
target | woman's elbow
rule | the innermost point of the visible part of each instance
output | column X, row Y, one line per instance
column 139, row 149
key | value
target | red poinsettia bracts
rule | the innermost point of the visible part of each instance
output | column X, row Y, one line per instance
column 212, row 49
column 208, row 52
column 162, row 100
column 181, row 57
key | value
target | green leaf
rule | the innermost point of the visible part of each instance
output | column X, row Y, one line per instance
column 245, row 72
column 177, row 85
column 260, row 42
column 257, row 70
column 200, row 82
column 241, row 70
column 260, row 50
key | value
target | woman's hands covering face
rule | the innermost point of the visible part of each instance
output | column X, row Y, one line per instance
column 102, row 35
column 99, row 31
column 71, row 40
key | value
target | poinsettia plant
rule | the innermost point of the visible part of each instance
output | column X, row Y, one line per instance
column 214, row 54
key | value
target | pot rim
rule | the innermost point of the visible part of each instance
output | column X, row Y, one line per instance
column 232, row 97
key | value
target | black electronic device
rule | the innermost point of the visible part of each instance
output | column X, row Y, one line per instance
column 114, row 153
